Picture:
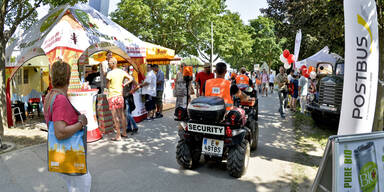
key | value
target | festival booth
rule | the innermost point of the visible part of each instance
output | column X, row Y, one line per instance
column 77, row 35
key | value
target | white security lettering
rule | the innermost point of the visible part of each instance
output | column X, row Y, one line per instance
column 208, row 129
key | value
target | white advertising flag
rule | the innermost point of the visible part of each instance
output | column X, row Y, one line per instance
column 361, row 67
column 297, row 44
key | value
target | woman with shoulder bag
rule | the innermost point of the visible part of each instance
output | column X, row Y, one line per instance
column 128, row 90
column 66, row 132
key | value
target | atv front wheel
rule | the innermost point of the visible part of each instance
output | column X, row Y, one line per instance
column 238, row 159
column 183, row 154
column 255, row 134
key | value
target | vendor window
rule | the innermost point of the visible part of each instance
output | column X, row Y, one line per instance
column 25, row 76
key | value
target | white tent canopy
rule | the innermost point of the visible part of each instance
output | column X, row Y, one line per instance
column 322, row 56
column 88, row 27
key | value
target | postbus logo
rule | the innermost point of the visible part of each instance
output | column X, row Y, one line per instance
column 361, row 21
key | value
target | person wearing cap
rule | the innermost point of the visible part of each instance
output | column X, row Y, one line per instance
column 282, row 81
column 202, row 77
column 220, row 87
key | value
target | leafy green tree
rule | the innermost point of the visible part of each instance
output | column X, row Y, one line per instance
column 321, row 22
column 185, row 26
column 231, row 39
column 170, row 23
column 267, row 47
column 191, row 61
column 14, row 14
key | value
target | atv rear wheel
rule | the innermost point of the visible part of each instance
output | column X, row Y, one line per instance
column 255, row 134
column 183, row 154
column 238, row 159
column 196, row 154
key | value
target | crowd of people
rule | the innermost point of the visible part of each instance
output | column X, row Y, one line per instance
column 294, row 88
column 119, row 86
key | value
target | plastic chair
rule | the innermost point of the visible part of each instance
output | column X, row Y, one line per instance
column 18, row 113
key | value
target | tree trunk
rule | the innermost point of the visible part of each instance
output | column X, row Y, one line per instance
column 378, row 122
column 3, row 108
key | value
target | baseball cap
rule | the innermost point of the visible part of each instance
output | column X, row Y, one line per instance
column 207, row 65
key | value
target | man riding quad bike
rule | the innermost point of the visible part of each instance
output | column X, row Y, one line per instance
column 216, row 128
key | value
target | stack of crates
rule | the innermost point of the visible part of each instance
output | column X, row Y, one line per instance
column 105, row 119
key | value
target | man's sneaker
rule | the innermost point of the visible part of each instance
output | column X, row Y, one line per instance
column 158, row 115
column 134, row 131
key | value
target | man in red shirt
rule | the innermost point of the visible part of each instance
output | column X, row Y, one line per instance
column 202, row 77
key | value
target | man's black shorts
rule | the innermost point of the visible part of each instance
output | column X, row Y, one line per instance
column 149, row 103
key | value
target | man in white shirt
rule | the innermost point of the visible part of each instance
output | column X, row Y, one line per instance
column 271, row 81
column 303, row 91
column 149, row 90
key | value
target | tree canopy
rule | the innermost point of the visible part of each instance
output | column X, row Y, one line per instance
column 321, row 22
column 267, row 47
column 185, row 26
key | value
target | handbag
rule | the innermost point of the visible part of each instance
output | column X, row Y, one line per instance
column 68, row 156
column 131, row 103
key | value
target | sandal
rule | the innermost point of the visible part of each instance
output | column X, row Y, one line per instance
column 114, row 139
column 124, row 136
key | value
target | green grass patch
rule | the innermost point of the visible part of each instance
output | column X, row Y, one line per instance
column 306, row 126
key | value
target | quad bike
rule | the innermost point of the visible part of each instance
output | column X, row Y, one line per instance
column 206, row 128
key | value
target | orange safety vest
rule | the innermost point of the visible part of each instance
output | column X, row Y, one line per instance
column 242, row 79
column 220, row 87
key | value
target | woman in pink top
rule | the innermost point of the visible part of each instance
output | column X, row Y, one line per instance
column 66, row 121
column 265, row 81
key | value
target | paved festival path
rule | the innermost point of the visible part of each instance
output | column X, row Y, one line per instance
column 146, row 162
